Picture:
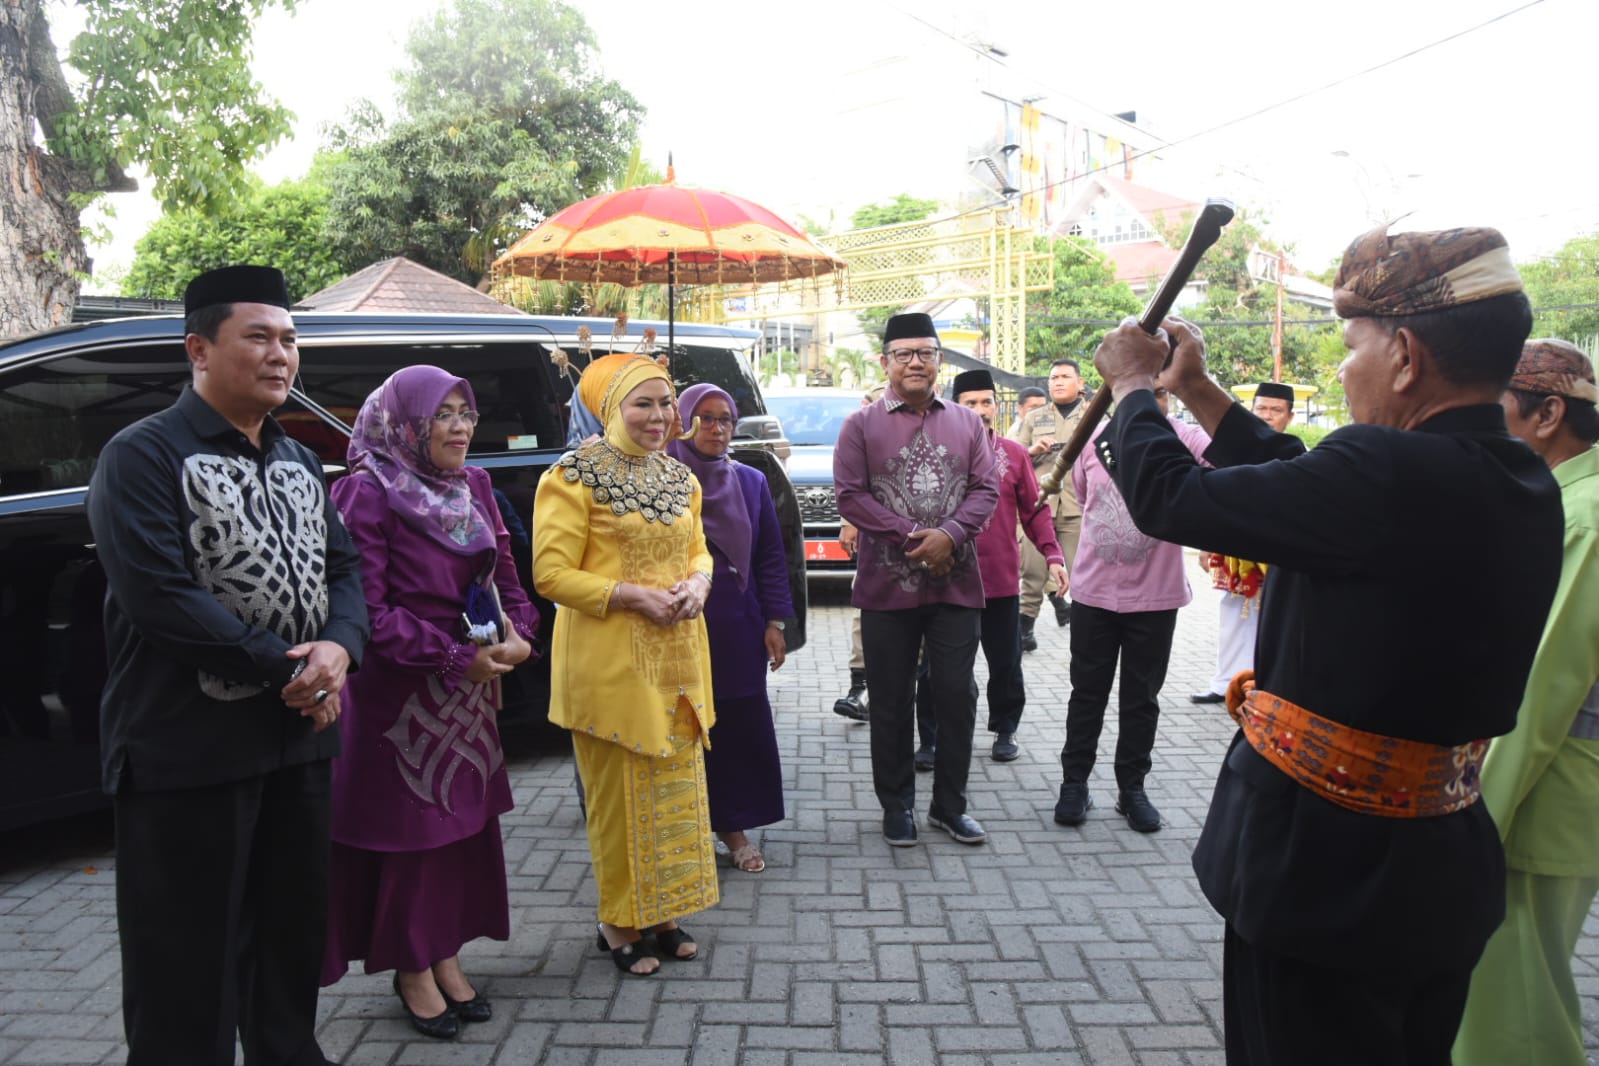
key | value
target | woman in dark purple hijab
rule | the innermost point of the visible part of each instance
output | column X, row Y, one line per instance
column 417, row 866
column 745, row 615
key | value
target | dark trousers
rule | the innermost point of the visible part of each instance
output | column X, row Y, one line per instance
column 1280, row 1010
column 1142, row 641
column 893, row 640
column 222, row 911
column 1001, row 639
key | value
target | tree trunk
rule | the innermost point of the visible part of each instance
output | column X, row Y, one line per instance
column 42, row 254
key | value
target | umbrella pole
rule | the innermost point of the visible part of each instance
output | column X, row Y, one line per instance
column 671, row 302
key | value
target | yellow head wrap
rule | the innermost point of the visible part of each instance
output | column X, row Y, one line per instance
column 606, row 383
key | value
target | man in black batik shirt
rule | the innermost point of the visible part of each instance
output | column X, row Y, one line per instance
column 234, row 609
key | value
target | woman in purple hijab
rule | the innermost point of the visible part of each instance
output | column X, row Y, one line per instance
column 745, row 614
column 417, row 866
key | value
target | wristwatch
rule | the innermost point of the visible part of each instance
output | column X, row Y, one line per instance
column 778, row 623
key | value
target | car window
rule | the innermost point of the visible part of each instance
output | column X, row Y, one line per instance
column 55, row 416
column 813, row 419
column 516, row 403
column 728, row 370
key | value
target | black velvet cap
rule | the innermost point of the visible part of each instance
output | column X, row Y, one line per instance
column 1274, row 390
column 971, row 381
column 910, row 324
column 237, row 285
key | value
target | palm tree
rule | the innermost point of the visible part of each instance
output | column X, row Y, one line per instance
column 853, row 368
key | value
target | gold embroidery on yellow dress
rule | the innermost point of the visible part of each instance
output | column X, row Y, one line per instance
column 665, row 656
column 654, row 485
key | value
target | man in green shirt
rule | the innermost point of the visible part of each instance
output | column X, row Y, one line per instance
column 1541, row 781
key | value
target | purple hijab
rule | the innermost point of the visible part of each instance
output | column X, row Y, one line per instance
column 390, row 442
column 723, row 513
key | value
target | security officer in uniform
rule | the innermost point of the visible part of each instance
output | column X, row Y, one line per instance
column 1044, row 433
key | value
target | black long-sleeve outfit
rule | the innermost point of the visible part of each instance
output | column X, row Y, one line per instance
column 219, row 557
column 1411, row 572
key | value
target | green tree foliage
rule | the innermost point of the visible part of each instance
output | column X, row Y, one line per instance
column 166, row 86
column 504, row 120
column 1239, row 309
column 1071, row 318
column 1564, row 290
column 902, row 208
column 279, row 225
column 169, row 86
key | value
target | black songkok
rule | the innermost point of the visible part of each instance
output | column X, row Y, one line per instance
column 971, row 381
column 910, row 324
column 237, row 285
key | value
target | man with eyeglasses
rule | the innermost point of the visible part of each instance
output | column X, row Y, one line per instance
column 916, row 477
column 1044, row 433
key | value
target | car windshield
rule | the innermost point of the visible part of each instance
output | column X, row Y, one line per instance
column 813, row 419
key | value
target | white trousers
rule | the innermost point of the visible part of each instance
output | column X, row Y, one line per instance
column 1235, row 647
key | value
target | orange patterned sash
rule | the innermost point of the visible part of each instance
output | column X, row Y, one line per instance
column 1365, row 772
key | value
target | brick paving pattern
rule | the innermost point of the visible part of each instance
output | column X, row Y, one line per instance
column 1072, row 947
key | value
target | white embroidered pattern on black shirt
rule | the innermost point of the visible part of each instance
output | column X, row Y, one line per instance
column 258, row 549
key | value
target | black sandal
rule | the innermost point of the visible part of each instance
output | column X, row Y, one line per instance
column 625, row 956
column 667, row 941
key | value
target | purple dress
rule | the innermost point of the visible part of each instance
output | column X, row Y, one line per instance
column 417, row 864
column 743, row 776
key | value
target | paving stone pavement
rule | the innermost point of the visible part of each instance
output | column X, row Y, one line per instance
column 1072, row 947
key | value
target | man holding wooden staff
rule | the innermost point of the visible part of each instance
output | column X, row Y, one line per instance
column 1345, row 846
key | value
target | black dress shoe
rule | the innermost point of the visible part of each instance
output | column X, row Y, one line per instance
column 852, row 705
column 1207, row 697
column 1074, row 804
column 924, row 759
column 1029, row 640
column 1063, row 610
column 899, row 828
column 963, row 827
column 1141, row 814
column 1005, row 748
column 476, row 1009
column 445, row 1026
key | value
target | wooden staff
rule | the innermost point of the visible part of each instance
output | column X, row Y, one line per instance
column 1207, row 229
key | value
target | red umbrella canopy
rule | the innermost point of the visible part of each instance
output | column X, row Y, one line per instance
column 655, row 234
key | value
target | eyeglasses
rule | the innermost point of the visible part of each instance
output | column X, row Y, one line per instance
column 724, row 421
column 445, row 418
column 903, row 356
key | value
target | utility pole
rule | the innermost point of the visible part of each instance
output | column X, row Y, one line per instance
column 1277, row 326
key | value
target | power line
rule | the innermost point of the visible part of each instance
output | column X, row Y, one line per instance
column 1220, row 125
column 1067, row 320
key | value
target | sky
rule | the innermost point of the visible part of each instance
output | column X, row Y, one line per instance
column 814, row 109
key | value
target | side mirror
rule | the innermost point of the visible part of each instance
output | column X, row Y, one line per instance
column 758, row 427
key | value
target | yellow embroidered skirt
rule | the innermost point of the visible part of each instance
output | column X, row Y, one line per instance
column 649, row 828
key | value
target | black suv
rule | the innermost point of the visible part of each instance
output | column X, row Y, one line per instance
column 64, row 393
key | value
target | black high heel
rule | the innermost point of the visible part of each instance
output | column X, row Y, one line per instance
column 669, row 940
column 445, row 1026
column 476, row 1009
column 625, row 956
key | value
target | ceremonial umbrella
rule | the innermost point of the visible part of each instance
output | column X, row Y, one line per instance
column 666, row 234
